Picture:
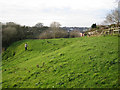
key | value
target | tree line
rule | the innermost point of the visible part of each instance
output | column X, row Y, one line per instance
column 12, row 32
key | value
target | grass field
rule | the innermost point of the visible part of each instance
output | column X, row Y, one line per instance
column 86, row 62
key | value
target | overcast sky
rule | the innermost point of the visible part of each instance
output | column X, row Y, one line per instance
column 66, row 12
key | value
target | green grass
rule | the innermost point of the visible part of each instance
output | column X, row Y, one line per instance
column 86, row 62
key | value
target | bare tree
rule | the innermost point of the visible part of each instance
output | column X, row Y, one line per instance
column 113, row 17
column 119, row 11
column 54, row 32
column 55, row 27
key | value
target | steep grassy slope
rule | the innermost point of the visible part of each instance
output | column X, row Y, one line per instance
column 87, row 62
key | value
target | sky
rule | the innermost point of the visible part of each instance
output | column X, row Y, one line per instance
column 79, row 13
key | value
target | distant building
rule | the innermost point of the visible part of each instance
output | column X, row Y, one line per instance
column 81, row 29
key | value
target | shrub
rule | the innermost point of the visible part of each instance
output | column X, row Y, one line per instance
column 74, row 33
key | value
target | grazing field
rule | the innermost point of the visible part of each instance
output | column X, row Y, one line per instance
column 86, row 62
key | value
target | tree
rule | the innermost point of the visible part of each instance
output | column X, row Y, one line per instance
column 9, row 35
column 11, row 24
column 119, row 11
column 94, row 25
column 49, row 34
column 113, row 17
column 54, row 32
column 39, row 25
column 54, row 26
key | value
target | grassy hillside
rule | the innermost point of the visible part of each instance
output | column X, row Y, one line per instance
column 87, row 62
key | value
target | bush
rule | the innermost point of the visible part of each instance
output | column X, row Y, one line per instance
column 74, row 33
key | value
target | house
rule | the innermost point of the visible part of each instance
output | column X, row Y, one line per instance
column 81, row 34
